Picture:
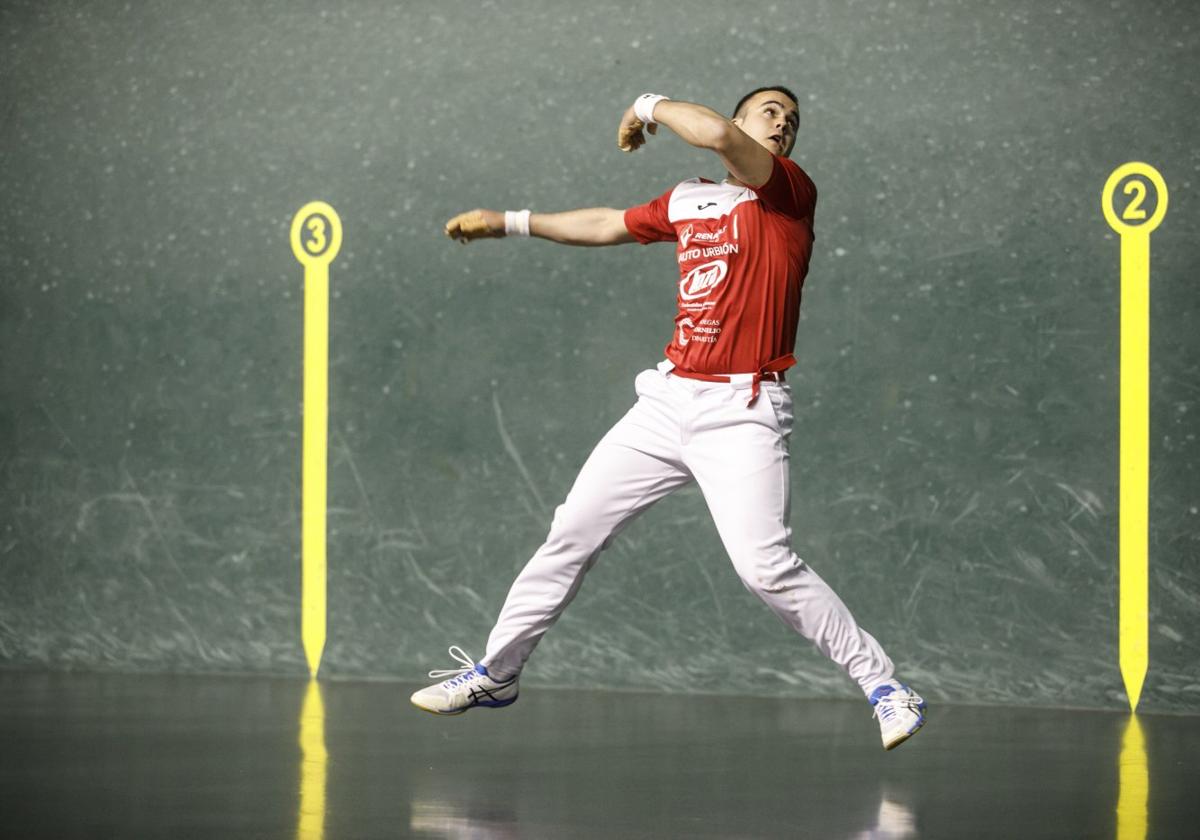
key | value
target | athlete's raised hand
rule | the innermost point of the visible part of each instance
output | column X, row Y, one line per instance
column 630, row 136
column 476, row 224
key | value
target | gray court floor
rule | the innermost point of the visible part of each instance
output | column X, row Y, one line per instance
column 86, row 755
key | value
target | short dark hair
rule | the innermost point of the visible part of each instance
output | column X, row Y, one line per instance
column 779, row 88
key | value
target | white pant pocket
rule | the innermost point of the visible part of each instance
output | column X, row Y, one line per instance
column 780, row 399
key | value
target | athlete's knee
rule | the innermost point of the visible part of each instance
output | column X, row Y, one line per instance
column 573, row 531
column 772, row 572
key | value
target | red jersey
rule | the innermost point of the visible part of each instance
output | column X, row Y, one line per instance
column 743, row 255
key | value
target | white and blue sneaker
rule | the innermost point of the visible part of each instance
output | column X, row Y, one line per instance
column 469, row 686
column 900, row 710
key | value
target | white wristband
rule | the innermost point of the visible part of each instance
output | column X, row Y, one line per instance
column 516, row 223
column 643, row 107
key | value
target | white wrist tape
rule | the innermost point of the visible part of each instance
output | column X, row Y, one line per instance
column 643, row 107
column 516, row 223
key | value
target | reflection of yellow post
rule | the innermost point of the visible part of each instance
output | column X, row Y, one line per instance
column 316, row 238
column 310, row 824
column 1135, row 228
column 1134, row 780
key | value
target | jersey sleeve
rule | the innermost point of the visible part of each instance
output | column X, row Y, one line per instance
column 789, row 190
column 650, row 222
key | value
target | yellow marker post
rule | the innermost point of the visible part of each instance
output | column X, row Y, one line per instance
column 1134, row 227
column 316, row 238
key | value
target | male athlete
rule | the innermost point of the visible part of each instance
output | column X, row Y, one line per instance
column 716, row 411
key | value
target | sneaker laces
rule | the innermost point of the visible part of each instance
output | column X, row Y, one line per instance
column 890, row 704
column 459, row 675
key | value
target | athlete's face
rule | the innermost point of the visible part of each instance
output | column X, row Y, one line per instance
column 772, row 119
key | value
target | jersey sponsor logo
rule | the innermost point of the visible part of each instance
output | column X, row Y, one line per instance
column 684, row 338
column 715, row 251
column 703, row 206
column 701, row 280
column 714, row 236
column 690, row 234
column 707, row 331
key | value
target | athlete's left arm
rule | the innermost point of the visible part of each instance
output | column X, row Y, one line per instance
column 745, row 158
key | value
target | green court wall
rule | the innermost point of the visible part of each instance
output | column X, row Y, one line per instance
column 954, row 463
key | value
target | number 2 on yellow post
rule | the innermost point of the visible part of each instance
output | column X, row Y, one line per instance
column 1134, row 227
column 316, row 237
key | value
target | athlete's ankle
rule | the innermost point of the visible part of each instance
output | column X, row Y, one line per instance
column 892, row 682
column 497, row 675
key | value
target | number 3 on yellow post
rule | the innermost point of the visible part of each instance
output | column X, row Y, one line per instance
column 1134, row 224
column 316, row 238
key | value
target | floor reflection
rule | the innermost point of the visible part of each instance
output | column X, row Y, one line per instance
column 445, row 820
column 310, row 822
column 895, row 821
column 1134, row 792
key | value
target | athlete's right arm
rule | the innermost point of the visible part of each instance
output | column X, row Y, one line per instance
column 588, row 226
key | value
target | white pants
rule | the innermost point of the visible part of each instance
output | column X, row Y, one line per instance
column 680, row 430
